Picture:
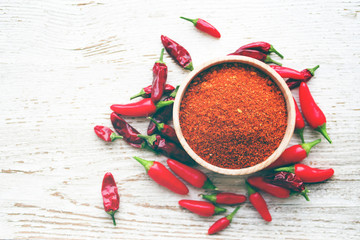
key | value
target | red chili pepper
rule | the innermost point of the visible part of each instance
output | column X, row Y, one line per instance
column 106, row 133
column 308, row 174
column 146, row 91
column 162, row 176
column 288, row 180
column 274, row 190
column 204, row 26
column 142, row 108
column 159, row 79
column 255, row 54
column 262, row 47
column 109, row 192
column 312, row 113
column 166, row 131
column 299, row 123
column 258, row 202
column 177, row 52
column 225, row 198
column 201, row 208
column 294, row 154
column 286, row 72
column 222, row 223
column 307, row 73
column 167, row 148
column 191, row 175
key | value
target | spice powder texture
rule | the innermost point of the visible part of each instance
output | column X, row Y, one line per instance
column 233, row 116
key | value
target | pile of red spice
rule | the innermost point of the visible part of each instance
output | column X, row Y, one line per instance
column 233, row 116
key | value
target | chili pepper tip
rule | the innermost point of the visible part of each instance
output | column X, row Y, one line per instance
column 270, row 60
column 272, row 49
column 189, row 67
column 307, row 146
column 147, row 164
column 304, row 193
column 112, row 214
column 161, row 56
column 194, row 21
column 322, row 130
column 301, row 134
column 231, row 215
column 312, row 70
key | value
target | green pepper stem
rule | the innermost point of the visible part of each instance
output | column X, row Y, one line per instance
column 173, row 93
column 162, row 104
column 250, row 189
column 304, row 193
column 159, row 126
column 270, row 60
column 219, row 210
column 307, row 146
column 147, row 164
column 286, row 169
column 140, row 94
column 189, row 67
column 114, row 136
column 230, row 217
column 272, row 49
column 194, row 21
column 322, row 130
column 312, row 70
column 301, row 134
column 161, row 56
column 211, row 198
column 149, row 139
column 112, row 214
column 209, row 185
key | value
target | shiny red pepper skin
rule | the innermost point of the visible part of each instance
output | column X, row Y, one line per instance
column 109, row 192
column 146, row 91
column 201, row 208
column 312, row 113
column 162, row 176
column 177, row 52
column 142, row 108
column 222, row 223
column 294, row 154
column 225, row 198
column 191, row 175
column 286, row 72
column 274, row 190
column 166, row 131
column 299, row 122
column 308, row 174
column 262, row 47
column 307, row 73
column 255, row 54
column 106, row 133
column 204, row 26
column 259, row 203
column 159, row 79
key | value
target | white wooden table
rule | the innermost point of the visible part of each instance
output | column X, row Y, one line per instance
column 63, row 63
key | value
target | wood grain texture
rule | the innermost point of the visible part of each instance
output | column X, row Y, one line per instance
column 63, row 63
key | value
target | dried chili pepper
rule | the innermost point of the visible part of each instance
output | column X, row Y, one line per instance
column 275, row 190
column 191, row 175
column 201, row 208
column 109, row 192
column 262, row 47
column 146, row 91
column 255, row 54
column 106, row 133
column 162, row 176
column 294, row 154
column 308, row 174
column 178, row 53
column 225, row 198
column 312, row 113
column 159, row 79
column 204, row 26
column 258, row 202
column 286, row 72
column 167, row 148
column 307, row 73
column 222, row 223
column 299, row 123
column 166, row 131
column 142, row 108
column 290, row 181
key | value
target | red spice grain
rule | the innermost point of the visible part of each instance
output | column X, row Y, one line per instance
column 233, row 115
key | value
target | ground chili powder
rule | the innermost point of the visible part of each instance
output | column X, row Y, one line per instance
column 233, row 115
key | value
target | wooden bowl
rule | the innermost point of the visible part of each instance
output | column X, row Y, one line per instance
column 290, row 107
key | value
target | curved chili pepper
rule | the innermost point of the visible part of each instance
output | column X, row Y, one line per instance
column 288, row 180
column 255, row 54
column 159, row 78
column 109, row 192
column 166, row 131
column 191, row 175
column 262, row 47
column 204, row 26
column 299, row 122
column 294, row 154
column 312, row 113
column 307, row 73
column 286, row 72
column 201, row 208
column 258, row 202
column 167, row 148
column 222, row 223
column 106, row 133
column 146, row 91
column 274, row 190
column 177, row 52
column 225, row 198
column 308, row 174
column 142, row 108
column 162, row 176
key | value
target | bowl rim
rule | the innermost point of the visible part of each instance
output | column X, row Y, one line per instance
column 279, row 81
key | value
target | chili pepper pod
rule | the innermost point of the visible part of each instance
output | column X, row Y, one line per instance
column 166, row 131
column 312, row 113
column 286, row 72
column 222, row 223
column 204, row 26
column 299, row 122
column 201, row 208
column 191, row 175
column 109, row 192
column 142, row 108
column 162, row 176
column 106, row 133
column 258, row 202
column 146, row 91
column 262, row 47
column 274, row 190
column 308, row 174
column 178, row 53
column 294, row 154
column 307, row 73
column 159, row 78
column 255, row 54
column 225, row 198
